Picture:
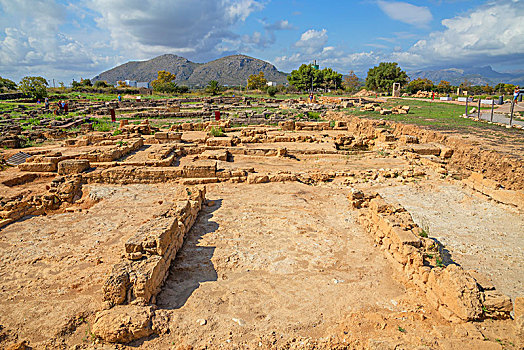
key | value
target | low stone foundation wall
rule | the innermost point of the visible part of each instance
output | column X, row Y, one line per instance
column 135, row 282
column 457, row 294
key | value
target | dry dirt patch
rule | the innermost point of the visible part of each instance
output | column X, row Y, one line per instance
column 53, row 267
column 273, row 257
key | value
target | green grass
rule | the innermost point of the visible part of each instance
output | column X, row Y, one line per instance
column 438, row 115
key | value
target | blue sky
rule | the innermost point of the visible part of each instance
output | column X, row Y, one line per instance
column 66, row 40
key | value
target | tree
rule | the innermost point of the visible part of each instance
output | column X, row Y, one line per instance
column 305, row 77
column 419, row 85
column 100, row 84
column 6, row 84
column 272, row 91
column 383, row 76
column 213, row 87
column 36, row 87
column 165, row 82
column 257, row 81
column 332, row 80
column 86, row 82
column 444, row 86
column 351, row 82
column 122, row 84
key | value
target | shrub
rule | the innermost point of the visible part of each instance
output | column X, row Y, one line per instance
column 272, row 91
column 216, row 131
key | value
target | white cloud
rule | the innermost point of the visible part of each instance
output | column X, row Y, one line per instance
column 487, row 35
column 175, row 26
column 312, row 40
column 33, row 44
column 405, row 12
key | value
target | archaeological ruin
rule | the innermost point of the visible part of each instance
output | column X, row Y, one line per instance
column 273, row 224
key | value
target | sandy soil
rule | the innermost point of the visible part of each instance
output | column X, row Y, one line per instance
column 274, row 257
column 53, row 267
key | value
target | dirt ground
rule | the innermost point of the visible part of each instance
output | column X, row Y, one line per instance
column 53, row 267
column 280, row 265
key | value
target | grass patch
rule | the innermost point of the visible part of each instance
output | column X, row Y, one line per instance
column 216, row 131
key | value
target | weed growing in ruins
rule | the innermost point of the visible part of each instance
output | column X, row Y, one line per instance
column 423, row 233
column 439, row 262
column 101, row 126
column 121, row 143
column 383, row 153
column 117, row 132
column 400, row 329
column 216, row 131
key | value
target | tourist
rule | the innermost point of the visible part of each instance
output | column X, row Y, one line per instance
column 119, row 98
column 46, row 103
column 516, row 94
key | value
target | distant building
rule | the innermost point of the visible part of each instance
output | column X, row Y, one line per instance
column 143, row 84
column 271, row 83
column 131, row 83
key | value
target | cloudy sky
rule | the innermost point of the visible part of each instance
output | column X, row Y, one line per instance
column 67, row 40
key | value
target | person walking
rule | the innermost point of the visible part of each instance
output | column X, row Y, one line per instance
column 516, row 94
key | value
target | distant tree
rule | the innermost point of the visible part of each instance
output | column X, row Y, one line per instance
column 76, row 85
column 419, row 85
column 351, row 82
column 487, row 89
column 332, row 80
column 306, row 77
column 122, row 84
column 272, row 91
column 6, row 84
column 444, row 86
column 257, row 81
column 213, row 87
column 182, row 89
column 465, row 84
column 86, row 82
column 165, row 82
column 36, row 87
column 100, row 84
column 383, row 76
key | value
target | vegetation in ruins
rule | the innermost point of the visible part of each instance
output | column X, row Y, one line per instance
column 382, row 77
column 7, row 85
column 213, row 87
column 307, row 78
column 36, row 87
column 257, row 81
column 165, row 82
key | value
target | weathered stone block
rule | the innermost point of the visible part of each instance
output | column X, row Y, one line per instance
column 123, row 323
column 73, row 166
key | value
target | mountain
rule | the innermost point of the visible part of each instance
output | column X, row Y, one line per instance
column 230, row 70
column 475, row 75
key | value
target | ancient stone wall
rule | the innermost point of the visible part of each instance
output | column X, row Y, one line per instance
column 451, row 290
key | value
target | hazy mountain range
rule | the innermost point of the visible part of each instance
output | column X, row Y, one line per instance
column 475, row 75
column 230, row 70
column 234, row 70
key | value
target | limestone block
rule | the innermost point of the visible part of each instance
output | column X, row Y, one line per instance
column 201, row 168
column 38, row 167
column 497, row 304
column 73, row 166
column 408, row 139
column 123, row 323
column 257, row 179
column 404, row 237
column 288, row 125
column 457, row 291
column 220, row 141
column 426, row 149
